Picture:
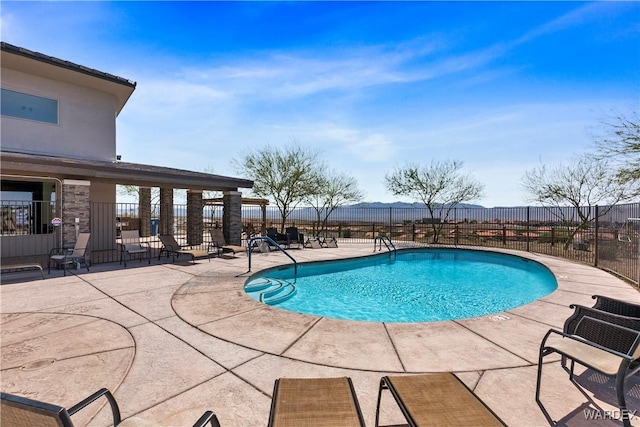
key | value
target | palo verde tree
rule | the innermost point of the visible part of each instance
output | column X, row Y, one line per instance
column 621, row 145
column 441, row 186
column 583, row 184
column 334, row 190
column 286, row 176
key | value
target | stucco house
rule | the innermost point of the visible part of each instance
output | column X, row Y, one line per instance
column 58, row 148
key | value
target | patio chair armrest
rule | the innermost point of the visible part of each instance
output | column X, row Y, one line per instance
column 606, row 336
column 60, row 251
column 207, row 418
column 95, row 396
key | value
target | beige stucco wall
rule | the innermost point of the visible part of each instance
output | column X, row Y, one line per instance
column 86, row 126
column 102, row 192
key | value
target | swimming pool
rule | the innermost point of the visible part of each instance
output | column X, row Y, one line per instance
column 414, row 285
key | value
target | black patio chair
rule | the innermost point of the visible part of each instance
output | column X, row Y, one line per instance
column 294, row 236
column 18, row 411
column 605, row 342
column 280, row 238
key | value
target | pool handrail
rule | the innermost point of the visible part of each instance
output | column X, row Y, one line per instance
column 271, row 242
column 387, row 242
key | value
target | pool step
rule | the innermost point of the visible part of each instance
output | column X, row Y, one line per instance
column 258, row 285
column 272, row 291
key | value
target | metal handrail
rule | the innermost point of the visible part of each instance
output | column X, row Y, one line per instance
column 271, row 241
column 387, row 242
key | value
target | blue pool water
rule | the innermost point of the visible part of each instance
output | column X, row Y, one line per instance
column 417, row 285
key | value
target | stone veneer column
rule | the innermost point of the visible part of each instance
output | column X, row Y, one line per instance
column 144, row 210
column 76, row 204
column 232, row 216
column 195, row 220
column 166, row 211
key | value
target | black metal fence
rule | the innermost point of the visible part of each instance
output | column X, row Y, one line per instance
column 610, row 240
column 26, row 217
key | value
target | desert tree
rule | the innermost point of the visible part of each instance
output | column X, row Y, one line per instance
column 582, row 184
column 621, row 145
column 440, row 185
column 334, row 190
column 285, row 175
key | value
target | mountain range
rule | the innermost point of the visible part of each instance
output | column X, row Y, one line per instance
column 403, row 205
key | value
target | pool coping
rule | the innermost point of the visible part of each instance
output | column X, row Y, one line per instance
column 387, row 256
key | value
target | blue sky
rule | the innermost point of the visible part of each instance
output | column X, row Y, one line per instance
column 500, row 86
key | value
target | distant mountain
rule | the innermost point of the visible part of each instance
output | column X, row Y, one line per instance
column 403, row 205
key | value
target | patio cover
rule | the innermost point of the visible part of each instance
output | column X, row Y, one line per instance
column 116, row 172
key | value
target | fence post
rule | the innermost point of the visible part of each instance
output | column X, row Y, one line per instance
column 528, row 226
column 413, row 231
column 390, row 220
column 457, row 234
column 504, row 235
column 373, row 229
column 553, row 236
column 595, row 246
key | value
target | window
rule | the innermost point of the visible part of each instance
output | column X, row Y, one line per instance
column 30, row 107
column 26, row 207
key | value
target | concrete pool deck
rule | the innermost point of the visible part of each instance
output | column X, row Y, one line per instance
column 173, row 340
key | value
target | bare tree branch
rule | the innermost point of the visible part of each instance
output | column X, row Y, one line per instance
column 439, row 185
column 584, row 183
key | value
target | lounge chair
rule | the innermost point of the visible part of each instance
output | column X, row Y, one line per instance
column 294, row 236
column 605, row 342
column 314, row 402
column 436, row 400
column 171, row 246
column 330, row 242
column 314, row 243
column 130, row 245
column 77, row 255
column 20, row 411
column 219, row 244
column 280, row 238
column 6, row 268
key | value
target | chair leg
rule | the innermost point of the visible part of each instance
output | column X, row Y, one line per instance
column 382, row 387
column 624, row 412
column 539, row 378
column 541, row 355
